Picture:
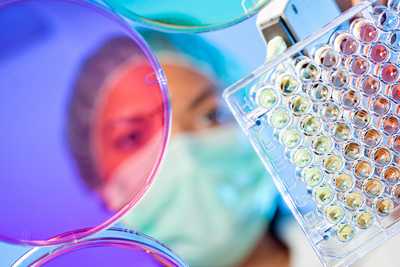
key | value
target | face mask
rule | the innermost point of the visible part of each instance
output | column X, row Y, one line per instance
column 211, row 200
column 130, row 178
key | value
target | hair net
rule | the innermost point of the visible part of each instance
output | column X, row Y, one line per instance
column 90, row 78
column 197, row 52
column 191, row 50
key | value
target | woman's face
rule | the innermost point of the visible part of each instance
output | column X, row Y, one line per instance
column 128, row 129
column 129, row 118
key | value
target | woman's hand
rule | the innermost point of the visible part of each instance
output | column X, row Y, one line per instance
column 345, row 4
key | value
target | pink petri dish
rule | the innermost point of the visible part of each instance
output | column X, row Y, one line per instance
column 379, row 53
column 359, row 65
column 370, row 85
column 390, row 125
column 85, row 116
column 390, row 73
column 113, row 247
column 395, row 92
column 381, row 105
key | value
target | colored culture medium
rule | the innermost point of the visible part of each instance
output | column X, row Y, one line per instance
column 330, row 133
column 73, row 127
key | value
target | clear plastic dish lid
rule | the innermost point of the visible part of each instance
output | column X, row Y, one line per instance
column 113, row 247
column 324, row 118
column 180, row 15
column 84, row 117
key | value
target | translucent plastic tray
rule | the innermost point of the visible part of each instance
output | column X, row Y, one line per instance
column 324, row 119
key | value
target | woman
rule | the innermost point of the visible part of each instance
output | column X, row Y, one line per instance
column 212, row 199
column 116, row 119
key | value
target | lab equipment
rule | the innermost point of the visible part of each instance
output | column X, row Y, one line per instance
column 179, row 15
column 54, row 177
column 293, row 20
column 113, row 247
column 323, row 118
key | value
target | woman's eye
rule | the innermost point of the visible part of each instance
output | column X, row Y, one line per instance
column 129, row 140
column 210, row 118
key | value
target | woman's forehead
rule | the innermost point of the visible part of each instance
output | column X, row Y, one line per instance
column 132, row 88
column 186, row 81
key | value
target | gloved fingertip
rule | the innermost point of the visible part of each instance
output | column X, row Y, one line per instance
column 276, row 46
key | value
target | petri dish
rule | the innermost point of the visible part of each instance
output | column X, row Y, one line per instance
column 179, row 15
column 85, row 116
column 113, row 247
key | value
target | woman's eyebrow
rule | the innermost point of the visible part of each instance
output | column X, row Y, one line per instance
column 137, row 119
column 207, row 92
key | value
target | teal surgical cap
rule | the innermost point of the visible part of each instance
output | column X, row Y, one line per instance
column 198, row 52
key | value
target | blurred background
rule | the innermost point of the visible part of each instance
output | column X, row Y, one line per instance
column 212, row 202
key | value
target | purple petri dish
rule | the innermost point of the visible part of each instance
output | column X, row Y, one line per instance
column 359, row 65
column 346, row 44
column 85, row 116
column 370, row 85
column 365, row 31
column 113, row 247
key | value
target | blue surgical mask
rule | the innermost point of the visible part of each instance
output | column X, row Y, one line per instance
column 211, row 200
